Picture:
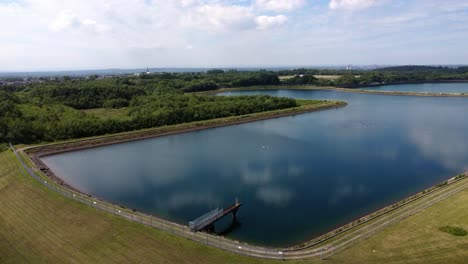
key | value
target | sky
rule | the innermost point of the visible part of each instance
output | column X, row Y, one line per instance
column 38, row 35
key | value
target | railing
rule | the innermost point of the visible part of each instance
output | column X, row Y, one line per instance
column 201, row 221
column 322, row 250
column 152, row 221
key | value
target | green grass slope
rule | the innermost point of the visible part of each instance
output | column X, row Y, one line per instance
column 39, row 226
column 418, row 239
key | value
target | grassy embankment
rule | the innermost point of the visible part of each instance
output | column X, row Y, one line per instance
column 37, row 225
column 417, row 239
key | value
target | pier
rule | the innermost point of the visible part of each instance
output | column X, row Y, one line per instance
column 207, row 221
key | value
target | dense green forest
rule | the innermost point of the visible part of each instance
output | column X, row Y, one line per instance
column 51, row 110
column 118, row 91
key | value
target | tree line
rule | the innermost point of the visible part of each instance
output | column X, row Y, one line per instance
column 26, row 120
column 388, row 75
column 118, row 91
column 51, row 110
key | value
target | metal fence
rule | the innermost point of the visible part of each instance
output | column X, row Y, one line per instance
column 321, row 250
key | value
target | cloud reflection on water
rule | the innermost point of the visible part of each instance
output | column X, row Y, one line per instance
column 274, row 195
column 177, row 201
column 440, row 136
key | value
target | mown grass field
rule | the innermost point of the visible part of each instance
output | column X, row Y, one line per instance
column 285, row 77
column 39, row 226
column 326, row 77
column 107, row 113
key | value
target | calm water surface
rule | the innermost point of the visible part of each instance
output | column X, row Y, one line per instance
column 298, row 176
column 424, row 88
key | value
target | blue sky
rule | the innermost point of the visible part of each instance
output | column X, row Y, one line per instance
column 84, row 34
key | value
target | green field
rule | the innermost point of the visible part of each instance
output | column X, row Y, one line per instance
column 418, row 238
column 327, row 77
column 108, row 113
column 285, row 77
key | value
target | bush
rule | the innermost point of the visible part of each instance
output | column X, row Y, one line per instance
column 3, row 147
column 456, row 231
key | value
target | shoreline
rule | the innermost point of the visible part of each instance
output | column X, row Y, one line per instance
column 36, row 153
column 111, row 139
column 330, row 88
column 328, row 242
column 412, row 82
column 375, row 214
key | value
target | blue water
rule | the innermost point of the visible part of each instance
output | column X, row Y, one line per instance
column 424, row 88
column 297, row 176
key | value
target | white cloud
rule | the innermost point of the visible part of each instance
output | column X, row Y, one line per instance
column 220, row 17
column 77, row 34
column 65, row 19
column 94, row 26
column 279, row 5
column 352, row 4
column 266, row 22
column 188, row 3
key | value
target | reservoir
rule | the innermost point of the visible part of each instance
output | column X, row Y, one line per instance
column 297, row 176
column 423, row 88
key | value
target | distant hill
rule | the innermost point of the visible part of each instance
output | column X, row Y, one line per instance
column 417, row 68
column 81, row 73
